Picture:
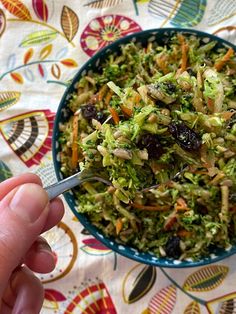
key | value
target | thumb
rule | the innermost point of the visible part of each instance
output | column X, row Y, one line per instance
column 23, row 213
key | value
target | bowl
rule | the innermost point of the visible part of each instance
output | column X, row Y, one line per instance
column 158, row 35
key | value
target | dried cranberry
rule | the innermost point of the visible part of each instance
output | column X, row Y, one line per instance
column 152, row 144
column 185, row 137
column 172, row 247
column 89, row 112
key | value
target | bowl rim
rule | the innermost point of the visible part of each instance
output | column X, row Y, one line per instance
column 123, row 249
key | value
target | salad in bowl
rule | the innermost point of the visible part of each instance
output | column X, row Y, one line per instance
column 153, row 105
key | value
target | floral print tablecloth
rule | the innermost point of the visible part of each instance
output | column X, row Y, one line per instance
column 42, row 45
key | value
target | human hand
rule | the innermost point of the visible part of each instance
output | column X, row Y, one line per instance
column 25, row 213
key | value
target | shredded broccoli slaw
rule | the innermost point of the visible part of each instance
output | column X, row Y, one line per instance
column 147, row 113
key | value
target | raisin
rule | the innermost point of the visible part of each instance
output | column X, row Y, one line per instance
column 152, row 145
column 89, row 112
column 185, row 137
column 172, row 247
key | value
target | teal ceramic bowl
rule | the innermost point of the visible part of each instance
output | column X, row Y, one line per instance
column 160, row 36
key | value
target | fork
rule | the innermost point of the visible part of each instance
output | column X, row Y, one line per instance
column 76, row 179
column 88, row 175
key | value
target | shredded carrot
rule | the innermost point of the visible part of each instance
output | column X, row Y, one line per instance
column 227, row 114
column 119, row 225
column 74, row 157
column 184, row 51
column 181, row 204
column 219, row 64
column 114, row 115
column 181, row 201
column 183, row 233
column 137, row 98
column 147, row 207
column 127, row 111
column 102, row 92
column 210, row 104
column 178, row 208
column 161, row 61
column 108, row 97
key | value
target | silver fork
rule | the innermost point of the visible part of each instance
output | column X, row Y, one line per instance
column 88, row 175
column 68, row 183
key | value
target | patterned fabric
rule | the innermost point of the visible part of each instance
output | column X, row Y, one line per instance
column 43, row 44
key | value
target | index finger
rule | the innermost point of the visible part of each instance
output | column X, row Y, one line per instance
column 10, row 184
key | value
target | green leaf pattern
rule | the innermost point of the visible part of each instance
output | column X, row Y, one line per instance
column 39, row 37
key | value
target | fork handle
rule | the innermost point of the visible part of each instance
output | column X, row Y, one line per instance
column 64, row 185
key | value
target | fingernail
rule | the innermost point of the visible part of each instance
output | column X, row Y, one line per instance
column 44, row 247
column 29, row 202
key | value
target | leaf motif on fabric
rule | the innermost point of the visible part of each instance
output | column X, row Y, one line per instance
column 28, row 55
column 5, row 172
column 164, row 301
column 206, row 278
column 8, row 99
column 94, row 247
column 39, row 37
column 186, row 13
column 99, row 4
column 17, row 77
column 62, row 53
column 45, row 52
column 17, row 8
column 221, row 11
column 70, row 63
column 56, row 71
column 54, row 295
column 28, row 75
column 11, row 61
column 95, row 296
column 225, row 304
column 40, row 9
column 138, row 283
column 42, row 71
column 192, row 308
column 69, row 23
column 2, row 22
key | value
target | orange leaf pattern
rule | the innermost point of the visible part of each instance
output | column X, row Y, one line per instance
column 70, row 63
column 17, row 8
column 28, row 55
column 17, row 77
